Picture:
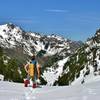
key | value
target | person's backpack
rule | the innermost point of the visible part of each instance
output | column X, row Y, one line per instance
column 31, row 70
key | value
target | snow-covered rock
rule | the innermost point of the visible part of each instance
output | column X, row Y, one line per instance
column 1, row 77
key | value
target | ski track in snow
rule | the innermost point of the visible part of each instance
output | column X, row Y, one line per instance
column 15, row 91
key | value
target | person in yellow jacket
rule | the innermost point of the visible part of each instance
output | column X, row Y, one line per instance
column 33, row 71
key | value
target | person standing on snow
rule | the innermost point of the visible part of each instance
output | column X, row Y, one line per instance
column 33, row 72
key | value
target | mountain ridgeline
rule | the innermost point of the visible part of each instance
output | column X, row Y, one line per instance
column 63, row 61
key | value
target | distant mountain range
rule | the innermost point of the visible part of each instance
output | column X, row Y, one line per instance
column 15, row 40
column 63, row 61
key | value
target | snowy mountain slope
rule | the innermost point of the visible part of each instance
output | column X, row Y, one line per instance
column 52, row 73
column 12, row 36
column 16, row 91
column 84, row 65
column 92, row 67
column 91, row 77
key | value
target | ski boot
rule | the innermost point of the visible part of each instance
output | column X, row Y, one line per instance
column 26, row 82
column 34, row 85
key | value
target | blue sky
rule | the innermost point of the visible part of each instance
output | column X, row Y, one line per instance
column 75, row 19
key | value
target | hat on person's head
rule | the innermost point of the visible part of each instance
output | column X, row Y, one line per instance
column 33, row 57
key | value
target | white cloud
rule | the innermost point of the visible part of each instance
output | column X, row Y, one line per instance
column 56, row 10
